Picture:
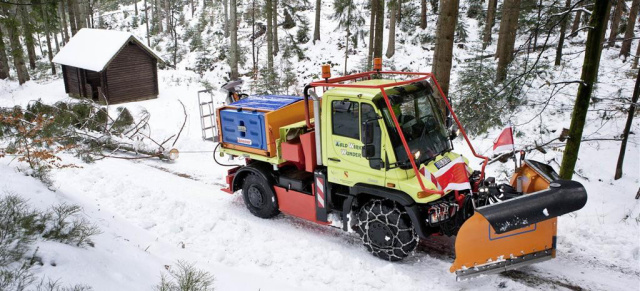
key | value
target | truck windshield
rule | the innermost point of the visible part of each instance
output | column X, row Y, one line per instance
column 422, row 123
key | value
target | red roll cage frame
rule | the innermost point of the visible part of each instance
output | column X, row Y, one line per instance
column 337, row 82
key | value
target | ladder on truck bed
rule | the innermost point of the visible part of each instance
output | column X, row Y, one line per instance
column 207, row 116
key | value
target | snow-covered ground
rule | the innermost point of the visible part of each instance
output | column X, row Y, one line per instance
column 153, row 213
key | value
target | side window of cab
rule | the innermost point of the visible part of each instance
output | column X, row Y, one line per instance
column 369, row 114
column 345, row 115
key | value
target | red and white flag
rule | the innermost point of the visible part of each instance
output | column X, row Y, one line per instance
column 504, row 142
column 452, row 176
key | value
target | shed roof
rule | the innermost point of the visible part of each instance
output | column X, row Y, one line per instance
column 93, row 49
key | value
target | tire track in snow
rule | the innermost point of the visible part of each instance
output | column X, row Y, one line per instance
column 439, row 247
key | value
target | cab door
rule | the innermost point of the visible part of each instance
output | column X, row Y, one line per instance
column 345, row 162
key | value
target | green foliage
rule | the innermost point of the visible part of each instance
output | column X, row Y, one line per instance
column 461, row 33
column 123, row 122
column 21, row 226
column 476, row 9
column 65, row 225
column 481, row 105
column 185, row 277
column 302, row 35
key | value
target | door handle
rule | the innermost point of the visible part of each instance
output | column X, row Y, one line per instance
column 334, row 160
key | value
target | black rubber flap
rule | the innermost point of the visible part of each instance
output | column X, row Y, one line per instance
column 562, row 197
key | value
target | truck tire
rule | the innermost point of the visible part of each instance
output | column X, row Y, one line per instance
column 386, row 230
column 259, row 197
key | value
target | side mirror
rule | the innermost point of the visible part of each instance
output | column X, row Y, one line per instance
column 367, row 132
column 368, row 151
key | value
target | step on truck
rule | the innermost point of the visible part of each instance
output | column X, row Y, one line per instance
column 374, row 154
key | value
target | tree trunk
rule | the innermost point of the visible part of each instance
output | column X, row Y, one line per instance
column 72, row 18
column 4, row 61
column 631, row 24
column 233, row 54
column 146, row 19
column 316, row 30
column 372, row 31
column 391, row 46
column 80, row 17
column 490, row 21
column 443, row 53
column 507, row 37
column 135, row 6
column 588, row 77
column 193, row 7
column 627, row 127
column 635, row 59
column 158, row 17
column 615, row 22
column 225, row 25
column 27, row 33
column 274, row 12
column 99, row 12
column 55, row 40
column 563, row 29
column 253, row 39
column 346, row 49
column 12, row 24
column 167, row 16
column 537, row 29
column 63, row 24
column 268, row 10
column 47, row 33
column 377, row 49
column 576, row 21
column 423, row 14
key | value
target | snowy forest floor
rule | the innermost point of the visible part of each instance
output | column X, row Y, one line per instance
column 154, row 213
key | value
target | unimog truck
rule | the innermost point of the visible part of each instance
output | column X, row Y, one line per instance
column 374, row 154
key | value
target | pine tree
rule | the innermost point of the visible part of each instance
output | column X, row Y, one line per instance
column 423, row 14
column 63, row 24
column 225, row 25
column 372, row 30
column 507, row 37
column 627, row 128
column 11, row 24
column 269, row 10
column 27, row 33
column 233, row 54
column 349, row 18
column 276, row 48
column 585, row 88
column 443, row 54
column 393, row 11
column 72, row 17
column 489, row 22
column 378, row 38
column 4, row 61
column 576, row 20
column 316, row 29
column 615, row 22
column 563, row 29
column 631, row 24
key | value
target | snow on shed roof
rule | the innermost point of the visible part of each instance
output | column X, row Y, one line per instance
column 93, row 49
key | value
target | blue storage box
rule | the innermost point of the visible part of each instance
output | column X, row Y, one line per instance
column 244, row 128
column 243, row 122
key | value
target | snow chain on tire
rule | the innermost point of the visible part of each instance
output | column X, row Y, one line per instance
column 386, row 230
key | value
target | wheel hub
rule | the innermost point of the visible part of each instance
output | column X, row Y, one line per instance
column 255, row 197
column 380, row 234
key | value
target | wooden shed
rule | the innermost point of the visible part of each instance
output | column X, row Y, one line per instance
column 108, row 66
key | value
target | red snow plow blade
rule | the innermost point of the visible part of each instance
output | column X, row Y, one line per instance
column 519, row 231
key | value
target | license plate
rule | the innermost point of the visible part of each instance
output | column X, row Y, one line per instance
column 442, row 162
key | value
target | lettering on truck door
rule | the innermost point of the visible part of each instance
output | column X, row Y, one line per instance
column 346, row 164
